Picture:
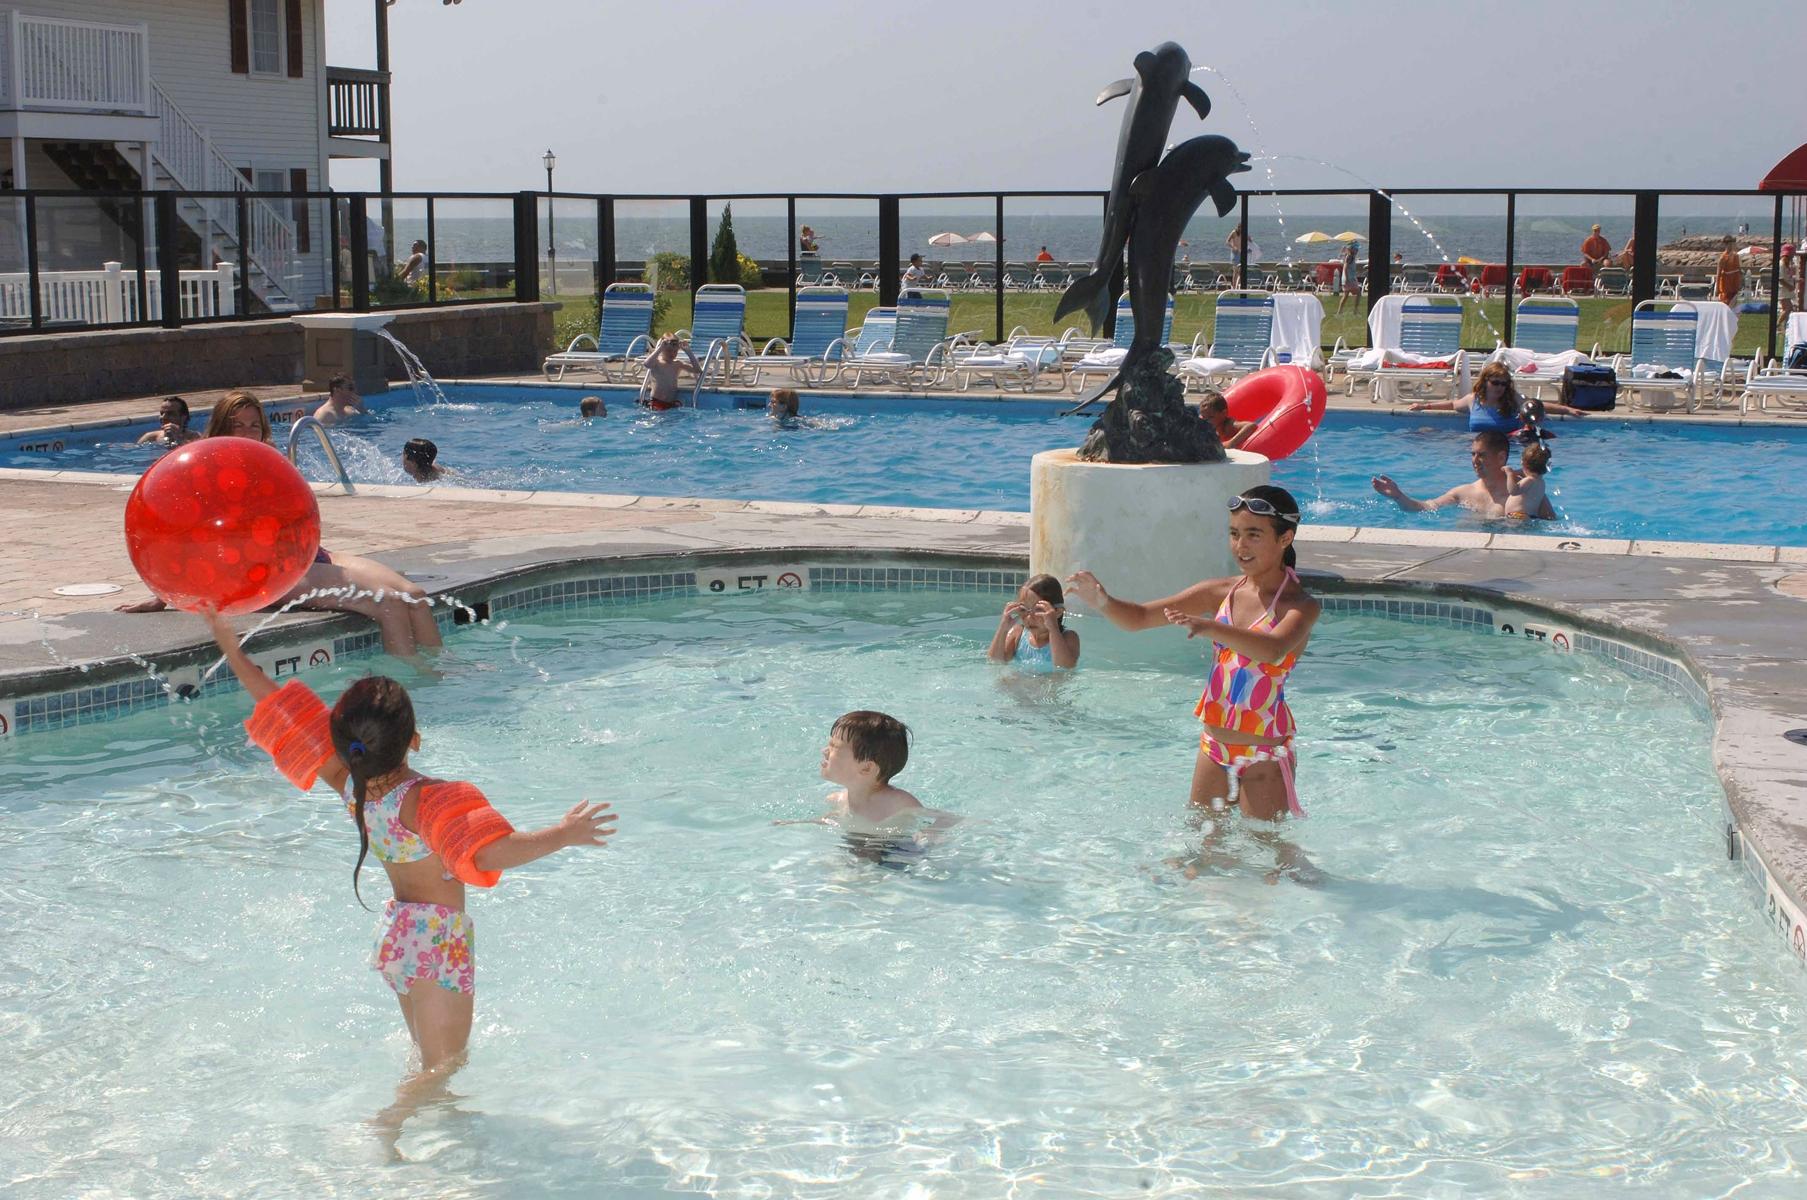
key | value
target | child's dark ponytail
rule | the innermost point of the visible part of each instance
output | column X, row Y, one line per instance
column 372, row 727
column 1290, row 558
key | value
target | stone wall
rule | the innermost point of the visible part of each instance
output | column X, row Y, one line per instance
column 117, row 364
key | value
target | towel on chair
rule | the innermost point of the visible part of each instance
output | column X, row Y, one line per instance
column 1716, row 325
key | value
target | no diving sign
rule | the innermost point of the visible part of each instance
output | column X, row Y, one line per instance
column 773, row 578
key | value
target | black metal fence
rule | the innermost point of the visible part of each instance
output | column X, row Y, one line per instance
column 74, row 260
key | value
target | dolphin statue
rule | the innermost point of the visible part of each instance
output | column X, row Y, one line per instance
column 1164, row 199
column 1163, row 78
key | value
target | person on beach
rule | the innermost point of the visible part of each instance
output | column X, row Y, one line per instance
column 342, row 402
column 1351, row 284
column 1525, row 497
column 1032, row 630
column 420, row 461
column 1233, row 241
column 335, row 582
column 1596, row 251
column 806, row 241
column 1259, row 622
column 659, row 391
column 172, row 429
column 433, row 837
column 1484, row 496
column 1042, row 255
column 1728, row 275
column 1214, row 410
column 1630, row 253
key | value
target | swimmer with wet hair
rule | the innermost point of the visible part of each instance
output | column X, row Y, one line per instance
column 1525, row 495
column 420, row 461
column 783, row 403
column 866, row 750
column 1214, row 411
column 1032, row 631
column 592, row 406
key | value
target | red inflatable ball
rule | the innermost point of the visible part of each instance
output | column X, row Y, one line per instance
column 1285, row 402
column 225, row 523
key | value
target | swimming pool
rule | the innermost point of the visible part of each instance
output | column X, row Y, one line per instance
column 1528, row 969
column 1704, row 483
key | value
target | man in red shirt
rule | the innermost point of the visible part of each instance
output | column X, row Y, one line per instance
column 1596, row 251
column 1044, row 256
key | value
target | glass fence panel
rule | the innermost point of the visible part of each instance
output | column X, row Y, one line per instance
column 1051, row 241
column 837, row 244
column 568, row 247
column 1718, row 249
column 760, row 232
column 400, row 250
column 471, row 248
column 954, row 241
column 15, row 280
column 652, row 245
column 1455, row 246
column 1572, row 249
column 87, row 249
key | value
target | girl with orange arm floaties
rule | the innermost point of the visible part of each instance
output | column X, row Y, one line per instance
column 432, row 836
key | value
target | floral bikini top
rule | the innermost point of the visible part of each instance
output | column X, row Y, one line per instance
column 1243, row 694
column 390, row 840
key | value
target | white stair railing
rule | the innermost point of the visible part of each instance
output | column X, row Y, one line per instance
column 109, row 296
column 195, row 164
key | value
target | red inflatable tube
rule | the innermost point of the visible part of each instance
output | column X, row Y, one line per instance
column 1286, row 403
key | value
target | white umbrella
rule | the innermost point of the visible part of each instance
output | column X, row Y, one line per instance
column 948, row 239
column 1316, row 235
column 1349, row 235
column 983, row 235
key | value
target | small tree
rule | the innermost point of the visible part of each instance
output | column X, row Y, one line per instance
column 724, row 256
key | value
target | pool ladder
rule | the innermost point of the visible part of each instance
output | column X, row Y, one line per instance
column 326, row 444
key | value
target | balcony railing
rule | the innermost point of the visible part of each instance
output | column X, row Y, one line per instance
column 54, row 63
column 357, row 103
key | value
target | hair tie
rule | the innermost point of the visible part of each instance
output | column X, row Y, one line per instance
column 356, row 747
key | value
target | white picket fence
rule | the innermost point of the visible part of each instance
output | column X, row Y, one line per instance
column 109, row 296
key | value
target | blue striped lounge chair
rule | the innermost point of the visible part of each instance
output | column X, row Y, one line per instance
column 718, row 318
column 919, row 349
column 818, row 341
column 1106, row 359
column 1663, row 337
column 1430, row 328
column 623, row 334
column 1242, row 340
column 1546, row 324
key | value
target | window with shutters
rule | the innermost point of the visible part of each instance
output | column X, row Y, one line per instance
column 266, row 37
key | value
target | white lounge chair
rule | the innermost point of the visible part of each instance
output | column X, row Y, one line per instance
column 623, row 335
column 1104, row 360
column 1429, row 356
column 817, row 339
column 1241, row 340
column 919, row 349
column 1544, row 329
column 1023, row 361
column 1662, row 362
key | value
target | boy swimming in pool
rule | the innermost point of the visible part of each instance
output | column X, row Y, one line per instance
column 866, row 750
column 660, row 391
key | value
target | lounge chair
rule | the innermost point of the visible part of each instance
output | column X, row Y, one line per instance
column 717, row 330
column 1415, row 279
column 1429, row 354
column 1577, row 279
column 1494, row 278
column 818, row 341
column 1662, row 362
column 920, row 349
column 1104, row 360
column 1022, row 362
column 1242, row 338
column 1784, row 387
column 1534, row 279
column 623, row 334
column 1544, row 329
column 1612, row 281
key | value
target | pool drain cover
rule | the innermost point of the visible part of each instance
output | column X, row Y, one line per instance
column 87, row 589
column 1797, row 736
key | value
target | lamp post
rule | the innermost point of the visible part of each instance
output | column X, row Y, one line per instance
column 551, row 161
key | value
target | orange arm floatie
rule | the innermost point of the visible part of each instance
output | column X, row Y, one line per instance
column 293, row 726
column 456, row 821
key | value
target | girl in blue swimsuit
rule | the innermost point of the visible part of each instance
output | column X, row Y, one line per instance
column 1032, row 629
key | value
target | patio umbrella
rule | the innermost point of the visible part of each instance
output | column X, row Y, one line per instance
column 1349, row 235
column 948, row 239
column 984, row 235
column 1316, row 235
column 1466, row 260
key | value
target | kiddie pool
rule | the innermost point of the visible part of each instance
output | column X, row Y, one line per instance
column 1526, row 970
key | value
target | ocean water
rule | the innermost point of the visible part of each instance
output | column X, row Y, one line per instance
column 1610, row 478
column 1521, row 968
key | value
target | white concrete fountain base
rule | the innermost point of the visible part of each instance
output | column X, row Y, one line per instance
column 1146, row 530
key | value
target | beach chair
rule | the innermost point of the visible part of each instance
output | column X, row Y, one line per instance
column 1104, row 360
column 919, row 349
column 1023, row 362
column 1415, row 279
column 1429, row 355
column 1784, row 387
column 717, row 332
column 1451, row 277
column 818, row 340
column 1242, row 336
column 1534, row 279
column 1577, row 279
column 1662, row 366
column 623, row 335
column 1017, row 277
column 1544, row 329
column 1612, row 281
column 1494, row 278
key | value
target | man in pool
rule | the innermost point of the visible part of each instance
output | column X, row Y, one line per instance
column 342, row 402
column 1485, row 496
column 660, row 391
column 173, row 430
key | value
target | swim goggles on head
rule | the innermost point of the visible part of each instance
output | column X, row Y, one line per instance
column 1261, row 508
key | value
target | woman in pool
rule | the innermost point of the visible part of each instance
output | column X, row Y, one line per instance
column 341, row 582
column 432, row 836
column 1494, row 402
column 1032, row 631
column 1260, row 631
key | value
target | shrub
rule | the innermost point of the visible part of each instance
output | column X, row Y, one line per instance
column 750, row 274
column 673, row 270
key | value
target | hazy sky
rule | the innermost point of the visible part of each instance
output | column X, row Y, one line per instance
column 692, row 95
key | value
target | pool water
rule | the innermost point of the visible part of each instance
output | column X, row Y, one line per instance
column 1527, row 969
column 1611, row 478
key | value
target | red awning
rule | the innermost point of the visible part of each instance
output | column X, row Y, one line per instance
column 1789, row 175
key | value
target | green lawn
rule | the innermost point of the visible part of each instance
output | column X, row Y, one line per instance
column 1604, row 321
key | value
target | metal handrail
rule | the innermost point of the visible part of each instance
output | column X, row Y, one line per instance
column 326, row 444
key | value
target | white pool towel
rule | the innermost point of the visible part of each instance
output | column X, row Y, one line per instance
column 1718, row 325
column 1529, row 363
column 1298, row 326
column 1110, row 357
column 1206, row 366
column 1383, row 321
column 1651, row 371
column 1797, row 328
